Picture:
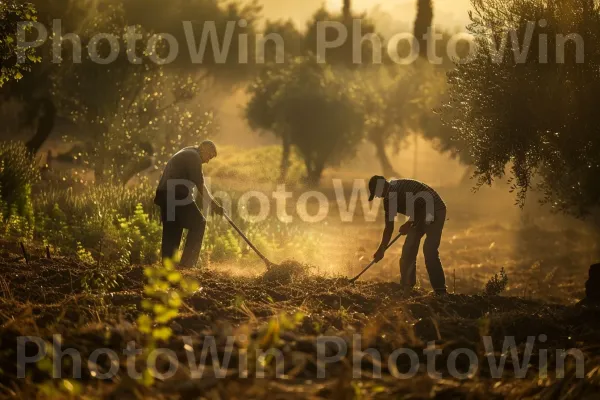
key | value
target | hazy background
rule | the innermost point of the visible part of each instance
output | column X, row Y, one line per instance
column 448, row 13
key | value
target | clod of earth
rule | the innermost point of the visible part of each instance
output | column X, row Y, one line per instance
column 287, row 271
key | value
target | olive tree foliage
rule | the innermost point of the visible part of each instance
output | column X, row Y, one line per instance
column 13, row 72
column 434, row 94
column 119, row 108
column 124, row 113
column 291, row 37
column 312, row 107
column 11, row 13
column 188, row 20
column 538, row 119
column 300, row 53
column 390, row 103
column 345, row 54
column 33, row 92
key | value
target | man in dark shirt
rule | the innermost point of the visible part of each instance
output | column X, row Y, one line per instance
column 181, row 183
column 427, row 213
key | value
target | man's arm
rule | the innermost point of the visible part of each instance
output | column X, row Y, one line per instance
column 216, row 207
column 385, row 239
column 194, row 171
column 387, row 232
column 196, row 175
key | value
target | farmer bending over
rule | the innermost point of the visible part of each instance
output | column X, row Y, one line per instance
column 427, row 213
column 177, row 190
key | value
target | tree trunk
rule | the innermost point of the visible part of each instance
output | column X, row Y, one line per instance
column 285, row 157
column 386, row 165
column 423, row 23
column 346, row 11
column 44, row 127
column 314, row 169
column 139, row 165
column 313, row 177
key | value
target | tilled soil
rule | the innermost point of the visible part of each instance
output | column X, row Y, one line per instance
column 47, row 297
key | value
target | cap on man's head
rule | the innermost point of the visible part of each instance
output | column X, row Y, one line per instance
column 376, row 182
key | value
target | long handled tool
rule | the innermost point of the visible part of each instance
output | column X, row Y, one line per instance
column 265, row 259
column 373, row 262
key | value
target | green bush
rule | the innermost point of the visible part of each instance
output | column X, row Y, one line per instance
column 53, row 228
column 18, row 174
column 112, row 223
column 497, row 284
column 145, row 236
column 226, row 247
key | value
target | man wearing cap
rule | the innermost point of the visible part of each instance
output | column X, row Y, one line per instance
column 176, row 195
column 427, row 213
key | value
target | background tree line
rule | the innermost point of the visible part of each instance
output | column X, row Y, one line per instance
column 534, row 121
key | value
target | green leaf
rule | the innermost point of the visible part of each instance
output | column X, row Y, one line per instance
column 174, row 300
column 159, row 309
column 147, row 378
column 147, row 304
column 174, row 277
column 144, row 323
column 162, row 333
column 166, row 316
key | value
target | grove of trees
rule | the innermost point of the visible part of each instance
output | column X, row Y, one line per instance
column 390, row 100
column 531, row 119
column 125, row 114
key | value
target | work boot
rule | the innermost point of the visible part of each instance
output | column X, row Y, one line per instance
column 408, row 290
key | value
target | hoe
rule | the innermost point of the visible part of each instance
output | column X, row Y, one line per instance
column 373, row 262
column 238, row 230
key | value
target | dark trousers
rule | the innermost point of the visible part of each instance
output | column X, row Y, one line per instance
column 186, row 217
column 408, row 260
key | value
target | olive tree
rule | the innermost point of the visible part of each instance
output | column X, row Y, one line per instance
column 312, row 107
column 533, row 115
column 11, row 14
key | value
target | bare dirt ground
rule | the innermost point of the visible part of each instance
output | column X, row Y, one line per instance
column 47, row 297
column 546, row 259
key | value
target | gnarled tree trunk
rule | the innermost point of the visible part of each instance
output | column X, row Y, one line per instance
column 386, row 165
column 47, row 117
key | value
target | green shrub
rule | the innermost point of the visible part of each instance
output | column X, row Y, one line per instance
column 54, row 228
column 18, row 173
column 164, row 292
column 497, row 284
column 145, row 236
column 111, row 222
column 225, row 248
